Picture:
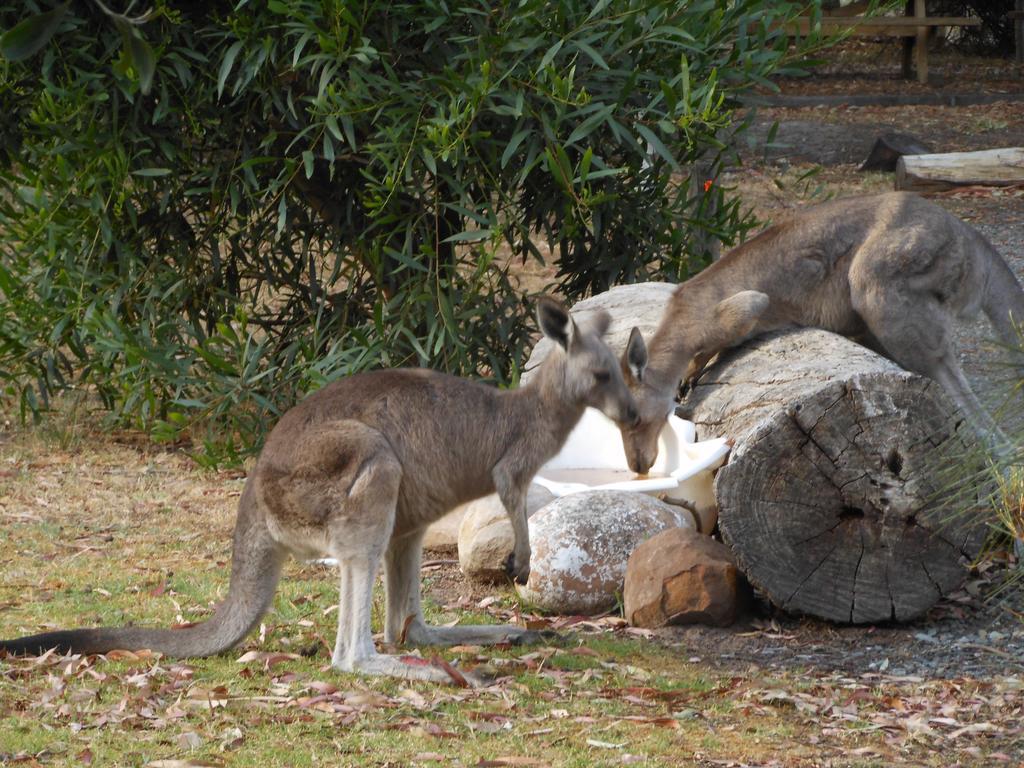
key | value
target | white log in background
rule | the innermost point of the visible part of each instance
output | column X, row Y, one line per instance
column 934, row 173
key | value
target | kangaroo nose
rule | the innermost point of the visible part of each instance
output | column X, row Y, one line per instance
column 636, row 463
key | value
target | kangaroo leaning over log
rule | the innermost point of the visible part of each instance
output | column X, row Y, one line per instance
column 892, row 271
column 360, row 468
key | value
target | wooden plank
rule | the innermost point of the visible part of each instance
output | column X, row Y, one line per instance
column 907, row 63
column 907, row 21
column 891, row 26
column 893, row 21
column 934, row 173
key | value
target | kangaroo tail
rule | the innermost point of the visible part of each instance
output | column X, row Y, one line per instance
column 255, row 570
column 1004, row 300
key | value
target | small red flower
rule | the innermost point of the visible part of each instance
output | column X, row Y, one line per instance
column 707, row 184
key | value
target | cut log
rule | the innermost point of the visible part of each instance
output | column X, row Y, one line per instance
column 934, row 173
column 832, row 498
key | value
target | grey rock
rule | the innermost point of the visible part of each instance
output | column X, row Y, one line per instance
column 890, row 147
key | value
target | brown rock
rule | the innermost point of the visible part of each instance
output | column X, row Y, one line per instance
column 682, row 577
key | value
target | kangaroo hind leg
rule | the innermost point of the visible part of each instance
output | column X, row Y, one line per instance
column 405, row 622
column 359, row 527
column 915, row 332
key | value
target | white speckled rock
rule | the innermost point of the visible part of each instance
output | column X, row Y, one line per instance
column 581, row 544
column 485, row 536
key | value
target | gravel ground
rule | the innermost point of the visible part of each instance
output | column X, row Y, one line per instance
column 965, row 635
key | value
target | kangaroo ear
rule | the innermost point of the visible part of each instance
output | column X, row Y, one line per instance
column 555, row 321
column 599, row 322
column 634, row 359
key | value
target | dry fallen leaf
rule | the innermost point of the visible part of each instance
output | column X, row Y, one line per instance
column 190, row 740
column 457, row 677
column 605, row 744
column 269, row 659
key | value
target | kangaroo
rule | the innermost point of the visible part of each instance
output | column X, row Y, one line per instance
column 360, row 468
column 890, row 270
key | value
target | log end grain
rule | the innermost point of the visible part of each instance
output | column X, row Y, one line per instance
column 837, row 501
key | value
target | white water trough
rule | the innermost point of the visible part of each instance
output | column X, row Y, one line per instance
column 593, row 458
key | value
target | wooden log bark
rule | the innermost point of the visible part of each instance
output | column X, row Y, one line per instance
column 832, row 498
column 934, row 173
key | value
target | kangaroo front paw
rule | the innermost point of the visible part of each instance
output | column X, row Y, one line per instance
column 519, row 572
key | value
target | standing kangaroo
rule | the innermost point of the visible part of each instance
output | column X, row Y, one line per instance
column 892, row 270
column 360, row 468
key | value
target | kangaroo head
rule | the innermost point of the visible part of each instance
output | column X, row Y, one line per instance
column 640, row 439
column 731, row 321
column 591, row 374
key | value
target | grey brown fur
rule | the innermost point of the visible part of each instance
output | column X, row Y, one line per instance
column 892, row 270
column 359, row 469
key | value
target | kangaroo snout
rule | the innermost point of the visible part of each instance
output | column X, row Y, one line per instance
column 640, row 463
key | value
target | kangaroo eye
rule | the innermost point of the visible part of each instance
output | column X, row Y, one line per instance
column 602, row 377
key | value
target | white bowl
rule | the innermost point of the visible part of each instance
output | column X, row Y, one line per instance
column 593, row 458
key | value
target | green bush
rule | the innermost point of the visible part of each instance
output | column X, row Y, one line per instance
column 211, row 209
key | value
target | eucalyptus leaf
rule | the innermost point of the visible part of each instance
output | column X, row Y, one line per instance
column 226, row 64
column 27, row 37
column 143, row 59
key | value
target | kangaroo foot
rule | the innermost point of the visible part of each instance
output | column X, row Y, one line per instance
column 414, row 668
